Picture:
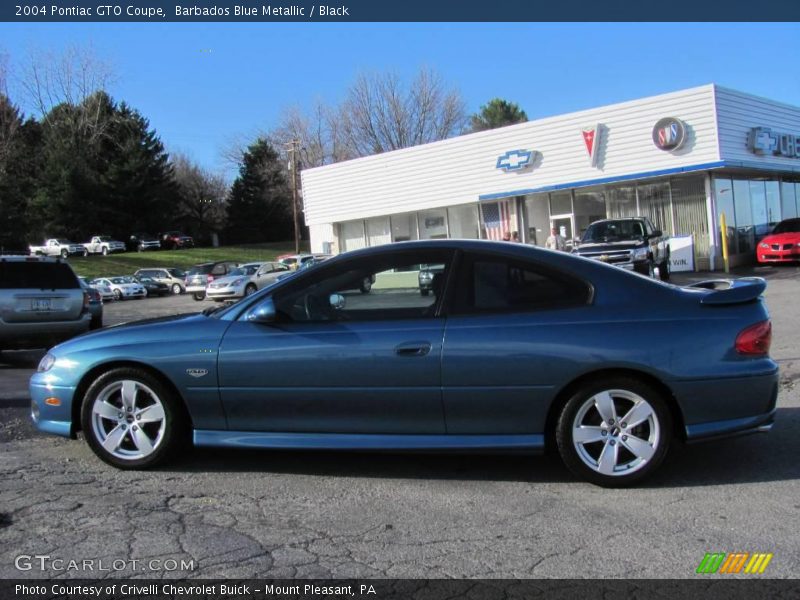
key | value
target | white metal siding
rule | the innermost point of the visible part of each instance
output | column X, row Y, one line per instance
column 738, row 113
column 459, row 170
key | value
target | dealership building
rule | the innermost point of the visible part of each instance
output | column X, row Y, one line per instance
column 683, row 159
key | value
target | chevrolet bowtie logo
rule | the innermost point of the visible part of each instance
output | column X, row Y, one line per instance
column 515, row 160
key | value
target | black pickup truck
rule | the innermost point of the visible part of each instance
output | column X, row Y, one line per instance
column 632, row 243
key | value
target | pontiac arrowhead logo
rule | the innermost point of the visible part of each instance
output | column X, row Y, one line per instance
column 591, row 137
column 515, row 160
column 197, row 372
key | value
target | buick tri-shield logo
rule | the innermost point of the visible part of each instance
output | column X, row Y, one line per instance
column 669, row 134
column 515, row 160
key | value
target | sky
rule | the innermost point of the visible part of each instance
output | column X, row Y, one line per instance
column 203, row 86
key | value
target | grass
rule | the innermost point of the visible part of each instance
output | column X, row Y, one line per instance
column 127, row 262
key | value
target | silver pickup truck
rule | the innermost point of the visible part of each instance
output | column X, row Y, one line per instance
column 41, row 303
column 104, row 244
column 58, row 247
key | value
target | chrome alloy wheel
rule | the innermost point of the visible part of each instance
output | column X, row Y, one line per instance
column 128, row 420
column 616, row 432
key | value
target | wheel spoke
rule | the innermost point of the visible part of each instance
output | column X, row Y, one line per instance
column 605, row 406
column 151, row 414
column 640, row 412
column 106, row 410
column 608, row 459
column 586, row 434
column 141, row 441
column 638, row 447
column 114, row 438
column 129, row 394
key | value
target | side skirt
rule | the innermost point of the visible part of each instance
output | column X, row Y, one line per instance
column 358, row 441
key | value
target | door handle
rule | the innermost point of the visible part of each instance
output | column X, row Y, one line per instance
column 413, row 349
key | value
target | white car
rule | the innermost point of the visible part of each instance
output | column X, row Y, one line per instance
column 103, row 289
column 245, row 280
column 123, row 287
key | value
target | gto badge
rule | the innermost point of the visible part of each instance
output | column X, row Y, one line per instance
column 197, row 372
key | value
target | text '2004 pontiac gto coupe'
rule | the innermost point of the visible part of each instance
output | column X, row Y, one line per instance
column 512, row 348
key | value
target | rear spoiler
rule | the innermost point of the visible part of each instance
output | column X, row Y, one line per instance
column 731, row 291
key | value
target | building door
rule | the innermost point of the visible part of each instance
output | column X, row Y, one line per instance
column 564, row 225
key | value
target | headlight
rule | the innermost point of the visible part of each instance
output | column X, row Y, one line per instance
column 763, row 245
column 47, row 362
column 639, row 253
column 236, row 282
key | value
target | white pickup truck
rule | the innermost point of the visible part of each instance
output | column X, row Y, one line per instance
column 58, row 247
column 103, row 244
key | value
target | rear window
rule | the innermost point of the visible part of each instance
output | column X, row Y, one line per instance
column 37, row 275
column 200, row 270
column 176, row 272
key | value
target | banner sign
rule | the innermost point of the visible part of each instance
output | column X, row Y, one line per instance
column 681, row 253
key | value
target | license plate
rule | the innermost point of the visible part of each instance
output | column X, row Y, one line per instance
column 40, row 304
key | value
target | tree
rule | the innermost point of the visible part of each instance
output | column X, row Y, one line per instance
column 320, row 131
column 497, row 113
column 201, row 199
column 259, row 204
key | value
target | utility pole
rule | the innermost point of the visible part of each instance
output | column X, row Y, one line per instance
column 294, row 154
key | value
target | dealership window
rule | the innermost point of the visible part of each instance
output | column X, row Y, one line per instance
column 758, row 205
column 351, row 235
column 723, row 193
column 689, row 210
column 432, row 224
column 463, row 221
column 654, row 202
column 744, row 216
column 621, row 201
column 590, row 206
column 561, row 203
column 404, row 227
column 790, row 203
column 536, row 207
column 379, row 231
column 773, row 204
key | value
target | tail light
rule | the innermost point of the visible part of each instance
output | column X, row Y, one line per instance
column 755, row 340
column 209, row 278
column 85, row 301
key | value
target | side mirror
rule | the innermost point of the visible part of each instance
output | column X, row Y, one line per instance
column 657, row 233
column 337, row 301
column 263, row 312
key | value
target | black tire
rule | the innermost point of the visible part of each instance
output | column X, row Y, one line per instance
column 104, row 251
column 177, row 289
column 96, row 323
column 659, row 432
column 366, row 285
column 65, row 254
column 199, row 296
column 663, row 270
column 118, row 295
column 424, row 292
column 85, row 253
column 140, row 248
column 175, row 423
column 250, row 289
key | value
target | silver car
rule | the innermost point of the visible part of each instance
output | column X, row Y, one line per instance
column 174, row 278
column 245, row 280
column 42, row 303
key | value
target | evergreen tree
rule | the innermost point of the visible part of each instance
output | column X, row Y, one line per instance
column 259, row 204
column 498, row 113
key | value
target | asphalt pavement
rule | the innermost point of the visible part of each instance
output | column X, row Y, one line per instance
column 321, row 515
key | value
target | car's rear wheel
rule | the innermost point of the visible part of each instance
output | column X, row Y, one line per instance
column 614, row 432
column 64, row 253
column 250, row 289
column 105, row 251
column 176, row 288
column 131, row 420
column 663, row 270
column 117, row 295
column 199, row 296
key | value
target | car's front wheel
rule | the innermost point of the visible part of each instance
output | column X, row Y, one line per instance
column 176, row 288
column 250, row 289
column 131, row 420
column 663, row 270
column 614, row 432
column 199, row 296
column 117, row 295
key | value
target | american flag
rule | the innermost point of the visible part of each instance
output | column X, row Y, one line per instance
column 497, row 219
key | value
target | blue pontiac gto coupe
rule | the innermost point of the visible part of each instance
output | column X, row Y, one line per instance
column 511, row 348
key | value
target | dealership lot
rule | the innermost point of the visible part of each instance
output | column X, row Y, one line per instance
column 272, row 514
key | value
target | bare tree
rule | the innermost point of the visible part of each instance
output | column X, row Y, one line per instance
column 202, row 197
column 320, row 133
column 381, row 113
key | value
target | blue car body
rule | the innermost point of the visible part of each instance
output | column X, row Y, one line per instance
column 482, row 381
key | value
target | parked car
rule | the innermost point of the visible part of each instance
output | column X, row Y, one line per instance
column 175, row 240
column 41, row 302
column 199, row 276
column 521, row 347
column 295, row 261
column 630, row 243
column 123, row 287
column 58, row 247
column 103, row 244
column 429, row 278
column 245, row 280
column 102, row 289
column 153, row 287
column 95, row 305
column 175, row 279
column 782, row 245
column 143, row 241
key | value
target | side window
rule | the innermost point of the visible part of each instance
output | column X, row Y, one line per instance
column 393, row 286
column 219, row 269
column 497, row 284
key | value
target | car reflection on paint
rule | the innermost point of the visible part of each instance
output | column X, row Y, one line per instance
column 513, row 349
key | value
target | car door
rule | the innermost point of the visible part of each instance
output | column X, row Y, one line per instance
column 339, row 361
column 514, row 335
column 268, row 273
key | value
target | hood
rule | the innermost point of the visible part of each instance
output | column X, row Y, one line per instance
column 610, row 246
column 227, row 280
column 791, row 237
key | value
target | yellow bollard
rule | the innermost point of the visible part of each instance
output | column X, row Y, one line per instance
column 723, row 226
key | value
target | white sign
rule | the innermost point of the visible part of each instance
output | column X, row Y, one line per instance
column 681, row 253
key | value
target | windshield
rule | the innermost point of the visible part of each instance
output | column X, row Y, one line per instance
column 62, row 241
column 200, row 270
column 788, row 226
column 177, row 272
column 247, row 270
column 119, row 280
column 613, row 231
column 104, row 238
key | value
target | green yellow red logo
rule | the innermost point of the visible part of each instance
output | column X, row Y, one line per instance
column 735, row 562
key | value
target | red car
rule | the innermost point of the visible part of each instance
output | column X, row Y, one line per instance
column 174, row 240
column 782, row 245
